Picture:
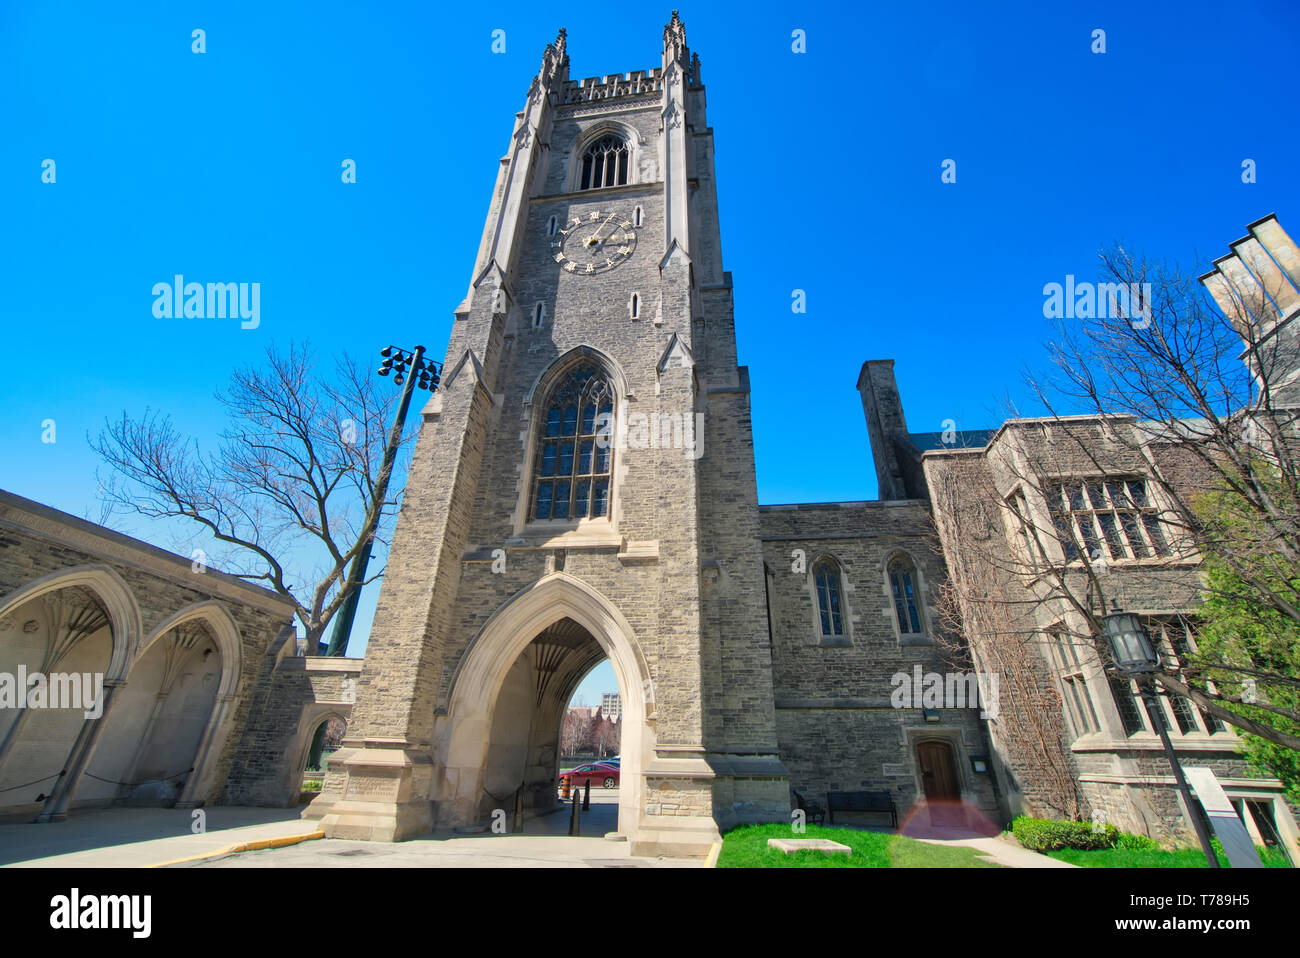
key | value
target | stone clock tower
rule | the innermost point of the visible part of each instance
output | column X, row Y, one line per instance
column 582, row 487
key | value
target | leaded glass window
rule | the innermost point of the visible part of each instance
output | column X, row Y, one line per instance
column 1114, row 511
column 830, row 611
column 1078, row 699
column 604, row 163
column 1126, row 702
column 902, row 584
column 575, row 455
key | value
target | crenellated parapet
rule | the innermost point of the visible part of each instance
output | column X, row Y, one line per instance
column 617, row 86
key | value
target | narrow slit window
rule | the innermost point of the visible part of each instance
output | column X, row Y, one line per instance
column 902, row 584
column 830, row 612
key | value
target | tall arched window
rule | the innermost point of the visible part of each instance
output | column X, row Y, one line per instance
column 604, row 163
column 902, row 585
column 575, row 455
column 830, row 607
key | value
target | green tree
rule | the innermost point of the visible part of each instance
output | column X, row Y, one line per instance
column 1249, row 649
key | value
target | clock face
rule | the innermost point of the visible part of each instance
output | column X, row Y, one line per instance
column 594, row 243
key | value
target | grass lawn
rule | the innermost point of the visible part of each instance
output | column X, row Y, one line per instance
column 746, row 847
column 1159, row 858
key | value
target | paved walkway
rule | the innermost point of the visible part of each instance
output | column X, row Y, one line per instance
column 544, row 843
column 1004, row 853
column 139, row 837
column 143, row 837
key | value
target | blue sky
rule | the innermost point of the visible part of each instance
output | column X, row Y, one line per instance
column 225, row 166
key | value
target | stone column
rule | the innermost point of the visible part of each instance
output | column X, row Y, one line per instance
column 56, row 805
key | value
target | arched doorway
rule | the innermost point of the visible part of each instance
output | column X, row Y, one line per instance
column 501, row 729
column 324, row 739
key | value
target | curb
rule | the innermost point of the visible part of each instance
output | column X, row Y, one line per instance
column 711, row 860
column 252, row 846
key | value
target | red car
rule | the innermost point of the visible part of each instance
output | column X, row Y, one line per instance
column 598, row 773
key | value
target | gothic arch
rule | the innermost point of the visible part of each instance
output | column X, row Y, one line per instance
column 462, row 740
column 629, row 134
column 69, row 741
column 534, row 412
column 113, row 593
column 953, row 739
column 313, row 716
column 225, row 633
column 549, row 376
column 920, row 589
column 845, row 636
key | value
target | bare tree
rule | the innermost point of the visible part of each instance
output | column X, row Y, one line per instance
column 1205, row 381
column 573, row 734
column 606, row 737
column 1155, row 390
column 291, row 487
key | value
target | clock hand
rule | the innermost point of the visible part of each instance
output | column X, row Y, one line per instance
column 592, row 240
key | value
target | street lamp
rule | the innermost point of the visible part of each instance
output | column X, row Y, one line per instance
column 1130, row 646
column 1135, row 657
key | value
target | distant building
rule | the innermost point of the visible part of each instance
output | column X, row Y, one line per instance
column 612, row 706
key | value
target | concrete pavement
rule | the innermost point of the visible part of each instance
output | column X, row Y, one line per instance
column 141, row 837
column 544, row 843
column 145, row 837
column 150, row 837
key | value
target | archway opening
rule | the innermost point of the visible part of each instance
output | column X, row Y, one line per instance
column 150, row 746
column 500, row 734
column 590, row 747
column 525, row 748
column 54, row 652
column 326, row 739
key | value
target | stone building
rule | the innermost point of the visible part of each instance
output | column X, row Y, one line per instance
column 172, row 653
column 611, row 706
column 582, row 488
column 1048, row 520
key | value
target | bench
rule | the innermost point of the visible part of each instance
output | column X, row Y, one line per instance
column 881, row 802
column 813, row 812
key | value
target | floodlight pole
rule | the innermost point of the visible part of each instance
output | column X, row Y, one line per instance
column 357, row 573
column 410, row 368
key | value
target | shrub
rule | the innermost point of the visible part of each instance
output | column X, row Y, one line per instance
column 1137, row 843
column 1048, row 835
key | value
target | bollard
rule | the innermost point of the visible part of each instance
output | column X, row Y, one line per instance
column 586, row 797
column 519, row 810
column 574, row 816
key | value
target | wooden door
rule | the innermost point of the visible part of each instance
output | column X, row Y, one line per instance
column 938, row 774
